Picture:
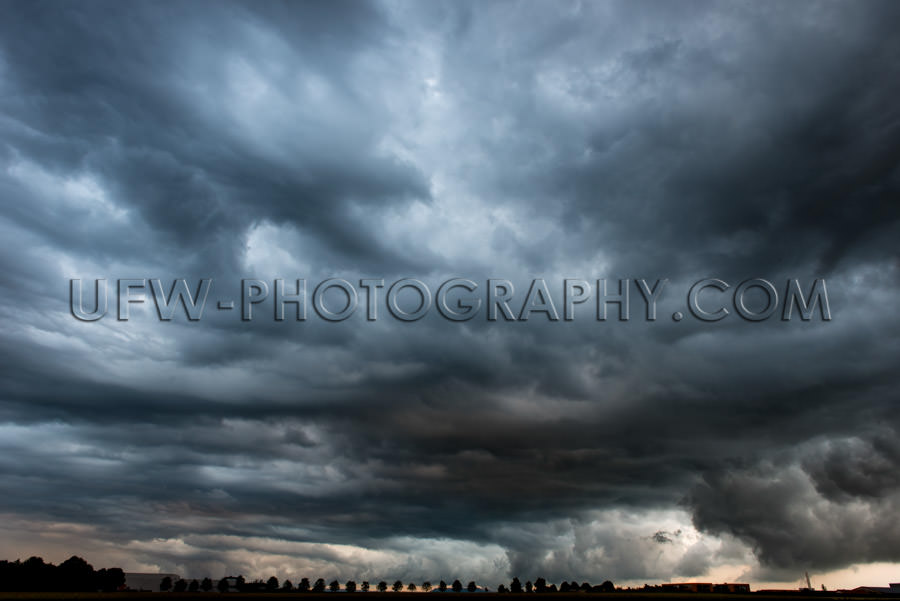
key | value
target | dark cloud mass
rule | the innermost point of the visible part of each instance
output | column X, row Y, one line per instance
column 435, row 140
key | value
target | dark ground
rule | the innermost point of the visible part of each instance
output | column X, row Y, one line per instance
column 617, row 596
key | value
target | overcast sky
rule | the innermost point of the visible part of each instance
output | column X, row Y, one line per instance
column 679, row 140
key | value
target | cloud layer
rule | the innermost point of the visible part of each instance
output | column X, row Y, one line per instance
column 437, row 140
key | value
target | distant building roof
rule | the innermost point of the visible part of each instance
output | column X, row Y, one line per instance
column 146, row 581
column 874, row 590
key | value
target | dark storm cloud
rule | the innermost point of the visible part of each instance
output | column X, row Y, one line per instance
column 772, row 143
column 236, row 140
column 136, row 98
column 832, row 509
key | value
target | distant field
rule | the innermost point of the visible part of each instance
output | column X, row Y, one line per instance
column 618, row 596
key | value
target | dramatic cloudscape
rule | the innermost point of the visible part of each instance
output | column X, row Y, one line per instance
column 680, row 140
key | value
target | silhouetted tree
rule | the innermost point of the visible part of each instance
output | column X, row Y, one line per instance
column 608, row 587
column 382, row 586
column 165, row 584
column 335, row 586
column 76, row 575
column 287, row 585
column 194, row 586
column 350, row 587
column 501, row 588
column 397, row 587
column 206, row 585
column 365, row 586
column 471, row 587
column 29, row 575
column 528, row 586
column 457, row 586
column 222, row 585
column 240, row 583
column 319, row 586
column 180, row 586
column 412, row 587
column 109, row 580
column 551, row 588
column 442, row 586
column 426, row 586
column 540, row 585
column 515, row 586
column 272, row 584
column 303, row 587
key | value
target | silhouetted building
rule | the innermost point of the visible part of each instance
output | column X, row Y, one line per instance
column 893, row 589
column 731, row 587
column 688, row 587
column 140, row 581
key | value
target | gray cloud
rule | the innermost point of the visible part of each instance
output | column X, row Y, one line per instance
column 829, row 510
column 435, row 140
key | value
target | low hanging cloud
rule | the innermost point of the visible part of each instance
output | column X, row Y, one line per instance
column 829, row 507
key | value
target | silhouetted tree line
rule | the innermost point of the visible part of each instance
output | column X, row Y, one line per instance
column 271, row 585
column 77, row 575
column 72, row 575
